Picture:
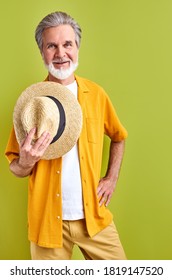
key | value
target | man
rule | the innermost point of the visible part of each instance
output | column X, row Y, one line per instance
column 67, row 199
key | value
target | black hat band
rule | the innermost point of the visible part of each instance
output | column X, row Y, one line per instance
column 62, row 120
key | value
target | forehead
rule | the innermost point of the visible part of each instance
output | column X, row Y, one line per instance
column 59, row 34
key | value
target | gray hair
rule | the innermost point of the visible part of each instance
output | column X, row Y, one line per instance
column 56, row 19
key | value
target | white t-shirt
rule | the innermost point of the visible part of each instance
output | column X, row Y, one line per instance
column 72, row 201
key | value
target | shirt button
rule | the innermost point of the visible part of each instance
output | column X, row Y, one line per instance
column 57, row 194
column 58, row 171
column 58, row 217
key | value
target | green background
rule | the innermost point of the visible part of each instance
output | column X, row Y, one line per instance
column 127, row 49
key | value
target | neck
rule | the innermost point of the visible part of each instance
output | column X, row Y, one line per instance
column 64, row 82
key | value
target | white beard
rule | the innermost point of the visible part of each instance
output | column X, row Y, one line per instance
column 61, row 73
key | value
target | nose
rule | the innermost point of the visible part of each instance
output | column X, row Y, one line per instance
column 60, row 52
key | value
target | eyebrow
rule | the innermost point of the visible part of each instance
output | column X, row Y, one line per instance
column 68, row 42
column 54, row 43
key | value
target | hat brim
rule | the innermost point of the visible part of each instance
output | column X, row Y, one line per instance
column 72, row 110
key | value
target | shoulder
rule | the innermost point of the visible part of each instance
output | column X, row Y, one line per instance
column 89, row 84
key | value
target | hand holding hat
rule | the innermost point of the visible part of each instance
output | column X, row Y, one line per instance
column 31, row 152
column 50, row 107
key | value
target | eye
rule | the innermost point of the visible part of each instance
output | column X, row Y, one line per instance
column 51, row 46
column 68, row 44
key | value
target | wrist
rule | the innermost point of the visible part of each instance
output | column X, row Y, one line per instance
column 25, row 166
column 112, row 177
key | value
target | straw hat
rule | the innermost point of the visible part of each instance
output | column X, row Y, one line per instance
column 50, row 107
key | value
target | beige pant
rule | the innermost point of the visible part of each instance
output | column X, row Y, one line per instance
column 103, row 246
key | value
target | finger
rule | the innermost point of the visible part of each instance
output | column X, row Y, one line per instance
column 99, row 193
column 100, row 189
column 102, row 200
column 22, row 142
column 44, row 138
column 107, row 201
column 30, row 136
column 46, row 142
column 32, row 132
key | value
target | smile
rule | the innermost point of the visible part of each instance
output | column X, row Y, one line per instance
column 60, row 62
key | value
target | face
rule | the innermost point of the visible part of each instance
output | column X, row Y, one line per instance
column 60, row 53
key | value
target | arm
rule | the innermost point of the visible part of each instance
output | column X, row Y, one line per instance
column 29, row 154
column 107, row 184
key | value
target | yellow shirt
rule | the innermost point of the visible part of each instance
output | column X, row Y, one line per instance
column 45, row 195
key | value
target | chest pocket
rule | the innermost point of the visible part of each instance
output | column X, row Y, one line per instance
column 92, row 125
